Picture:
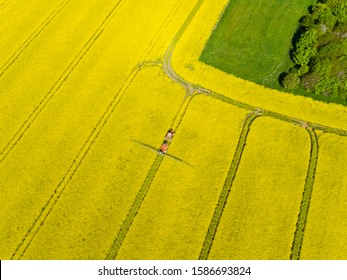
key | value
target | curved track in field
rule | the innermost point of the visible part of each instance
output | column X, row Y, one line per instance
column 306, row 197
column 190, row 88
column 310, row 127
column 179, row 79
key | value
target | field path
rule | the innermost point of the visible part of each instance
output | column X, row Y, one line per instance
column 298, row 238
column 146, row 185
column 68, row 149
column 306, row 197
column 206, row 247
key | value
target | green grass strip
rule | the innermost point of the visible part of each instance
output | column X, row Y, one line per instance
column 134, row 208
column 199, row 88
column 227, row 187
column 306, row 197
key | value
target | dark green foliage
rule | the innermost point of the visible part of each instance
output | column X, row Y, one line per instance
column 305, row 47
column 310, row 81
column 340, row 11
column 291, row 81
column 341, row 29
column 327, row 18
column 320, row 52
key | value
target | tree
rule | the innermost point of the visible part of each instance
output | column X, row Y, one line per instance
column 328, row 86
column 340, row 11
column 291, row 81
column 305, row 47
column 323, row 15
column 310, row 81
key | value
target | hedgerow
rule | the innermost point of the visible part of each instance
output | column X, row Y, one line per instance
column 320, row 52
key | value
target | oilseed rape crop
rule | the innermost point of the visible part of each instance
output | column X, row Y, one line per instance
column 88, row 92
column 265, row 200
column 178, row 204
column 325, row 233
column 104, row 174
column 185, row 61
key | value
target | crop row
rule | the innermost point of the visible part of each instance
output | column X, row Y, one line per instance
column 57, row 85
column 32, row 36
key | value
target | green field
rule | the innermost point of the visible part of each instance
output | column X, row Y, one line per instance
column 88, row 93
column 253, row 38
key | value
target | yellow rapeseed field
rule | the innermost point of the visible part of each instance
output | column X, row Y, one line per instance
column 87, row 95
column 175, row 215
column 96, row 201
column 178, row 15
column 186, row 63
column 60, row 135
column 260, row 215
column 23, row 19
column 325, row 234
column 42, row 67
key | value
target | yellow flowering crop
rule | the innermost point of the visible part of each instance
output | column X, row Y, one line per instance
column 186, row 63
column 58, row 138
column 260, row 216
column 24, row 19
column 41, row 65
column 175, row 215
column 87, row 95
column 325, row 233
column 97, row 199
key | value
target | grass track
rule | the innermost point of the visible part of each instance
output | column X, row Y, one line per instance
column 145, row 187
column 306, row 197
column 226, row 188
column 261, row 212
column 180, row 204
column 326, row 226
column 135, row 207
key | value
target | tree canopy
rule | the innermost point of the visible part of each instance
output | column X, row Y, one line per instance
column 320, row 51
